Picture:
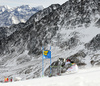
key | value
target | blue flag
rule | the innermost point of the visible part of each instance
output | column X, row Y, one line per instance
column 46, row 54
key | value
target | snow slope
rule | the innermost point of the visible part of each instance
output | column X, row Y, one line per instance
column 85, row 77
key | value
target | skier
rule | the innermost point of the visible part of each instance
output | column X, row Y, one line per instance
column 68, row 64
column 71, row 66
column 68, row 61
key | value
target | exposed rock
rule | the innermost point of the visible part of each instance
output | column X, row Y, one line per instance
column 94, row 44
column 77, row 58
column 98, row 23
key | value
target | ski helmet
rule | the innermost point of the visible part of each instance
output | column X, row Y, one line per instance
column 68, row 60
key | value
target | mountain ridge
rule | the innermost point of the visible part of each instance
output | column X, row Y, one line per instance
column 70, row 30
column 17, row 14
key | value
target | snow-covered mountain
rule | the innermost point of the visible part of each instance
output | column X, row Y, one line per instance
column 3, row 8
column 9, row 16
column 71, row 29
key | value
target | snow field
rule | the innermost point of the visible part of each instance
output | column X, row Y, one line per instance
column 84, row 77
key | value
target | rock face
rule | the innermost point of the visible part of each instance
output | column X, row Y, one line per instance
column 66, row 27
column 98, row 23
column 9, row 16
column 94, row 44
column 29, row 35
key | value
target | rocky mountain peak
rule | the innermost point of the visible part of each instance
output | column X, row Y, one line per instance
column 9, row 16
column 3, row 8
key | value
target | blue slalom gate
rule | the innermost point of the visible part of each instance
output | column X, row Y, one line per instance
column 46, row 54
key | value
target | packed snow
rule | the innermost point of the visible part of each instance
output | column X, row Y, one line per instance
column 84, row 77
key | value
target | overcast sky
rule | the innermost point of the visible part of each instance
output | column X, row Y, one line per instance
column 32, row 3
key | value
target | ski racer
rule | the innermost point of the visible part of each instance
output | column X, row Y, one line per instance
column 71, row 67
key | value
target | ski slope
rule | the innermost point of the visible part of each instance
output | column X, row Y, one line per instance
column 84, row 77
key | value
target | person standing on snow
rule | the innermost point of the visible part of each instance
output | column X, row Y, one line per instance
column 6, row 79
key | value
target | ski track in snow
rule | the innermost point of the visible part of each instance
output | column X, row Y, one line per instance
column 84, row 77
